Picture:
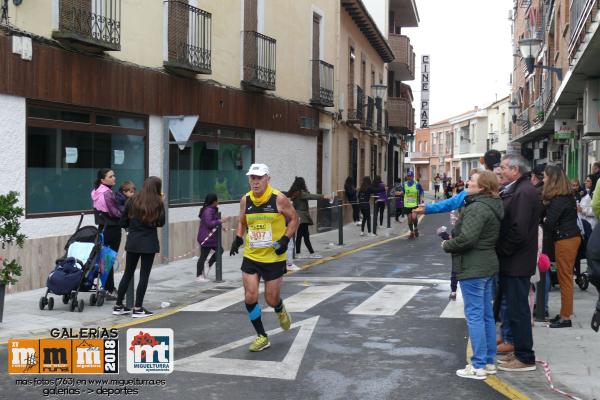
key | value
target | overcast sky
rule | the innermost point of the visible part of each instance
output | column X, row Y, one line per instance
column 469, row 42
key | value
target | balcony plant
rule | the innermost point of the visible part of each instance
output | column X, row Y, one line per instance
column 539, row 117
column 10, row 235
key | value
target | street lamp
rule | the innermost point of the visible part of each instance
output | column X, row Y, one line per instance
column 378, row 90
column 530, row 48
column 514, row 108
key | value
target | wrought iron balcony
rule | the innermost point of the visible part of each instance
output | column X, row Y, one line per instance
column 259, row 61
column 322, row 84
column 403, row 65
column 189, row 42
column 367, row 123
column 583, row 12
column 401, row 115
column 356, row 104
column 90, row 25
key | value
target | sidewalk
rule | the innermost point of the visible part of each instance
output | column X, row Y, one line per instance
column 173, row 283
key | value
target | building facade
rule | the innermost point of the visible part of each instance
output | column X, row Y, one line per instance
column 77, row 96
column 560, row 88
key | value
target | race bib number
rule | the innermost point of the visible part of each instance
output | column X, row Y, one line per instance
column 260, row 236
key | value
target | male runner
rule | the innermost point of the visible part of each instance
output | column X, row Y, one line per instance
column 263, row 212
column 413, row 193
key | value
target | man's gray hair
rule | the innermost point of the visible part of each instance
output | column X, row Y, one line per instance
column 517, row 161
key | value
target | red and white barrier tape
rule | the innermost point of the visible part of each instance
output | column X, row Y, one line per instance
column 547, row 372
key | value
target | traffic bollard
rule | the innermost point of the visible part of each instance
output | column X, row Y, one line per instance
column 389, row 213
column 540, row 308
column 374, row 221
column 219, row 254
column 340, row 215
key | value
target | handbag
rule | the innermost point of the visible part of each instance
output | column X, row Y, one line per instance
column 106, row 260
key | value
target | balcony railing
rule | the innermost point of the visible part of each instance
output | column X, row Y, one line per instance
column 322, row 84
column 368, row 122
column 259, row 61
column 547, row 95
column 419, row 154
column 401, row 115
column 404, row 57
column 356, row 103
column 90, row 25
column 379, row 112
column 582, row 13
column 189, row 39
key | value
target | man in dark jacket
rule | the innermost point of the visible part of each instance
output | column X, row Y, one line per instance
column 517, row 253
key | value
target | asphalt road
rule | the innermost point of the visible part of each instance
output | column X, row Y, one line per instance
column 370, row 326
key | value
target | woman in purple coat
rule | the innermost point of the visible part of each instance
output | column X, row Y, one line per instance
column 207, row 235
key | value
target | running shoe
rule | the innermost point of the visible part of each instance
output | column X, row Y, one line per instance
column 452, row 296
column 472, row 373
column 285, row 321
column 316, row 256
column 120, row 309
column 141, row 313
column 491, row 369
column 416, row 233
column 411, row 236
column 293, row 267
column 260, row 343
column 371, row 235
column 362, row 234
column 201, row 279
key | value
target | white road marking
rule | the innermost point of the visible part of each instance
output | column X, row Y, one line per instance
column 206, row 362
column 310, row 297
column 221, row 301
column 455, row 309
column 387, row 301
column 416, row 281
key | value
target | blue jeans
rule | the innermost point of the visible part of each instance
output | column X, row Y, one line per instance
column 478, row 297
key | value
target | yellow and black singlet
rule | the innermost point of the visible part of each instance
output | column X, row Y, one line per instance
column 265, row 225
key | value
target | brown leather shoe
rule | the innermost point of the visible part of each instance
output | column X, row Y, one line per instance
column 499, row 340
column 505, row 358
column 505, row 348
column 516, row 366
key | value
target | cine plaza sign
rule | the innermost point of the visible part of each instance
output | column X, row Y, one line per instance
column 425, row 71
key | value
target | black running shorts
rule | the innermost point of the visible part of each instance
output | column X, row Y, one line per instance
column 266, row 271
column 408, row 210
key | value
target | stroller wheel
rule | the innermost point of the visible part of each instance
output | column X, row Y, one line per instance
column 583, row 282
column 42, row 302
column 101, row 297
column 65, row 299
column 73, row 304
column 50, row 303
column 81, row 305
column 93, row 299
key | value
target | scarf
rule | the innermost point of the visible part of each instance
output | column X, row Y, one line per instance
column 262, row 199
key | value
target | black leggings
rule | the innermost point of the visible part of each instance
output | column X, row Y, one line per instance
column 130, row 265
column 303, row 233
column 204, row 251
column 112, row 239
column 355, row 212
column 380, row 206
column 366, row 214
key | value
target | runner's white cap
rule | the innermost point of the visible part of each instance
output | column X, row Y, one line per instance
column 258, row 170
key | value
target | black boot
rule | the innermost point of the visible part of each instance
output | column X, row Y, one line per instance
column 596, row 321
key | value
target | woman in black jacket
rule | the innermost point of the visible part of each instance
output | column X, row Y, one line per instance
column 364, row 197
column 560, row 224
column 144, row 213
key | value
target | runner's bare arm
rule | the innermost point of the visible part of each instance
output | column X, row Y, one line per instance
column 241, row 228
column 285, row 207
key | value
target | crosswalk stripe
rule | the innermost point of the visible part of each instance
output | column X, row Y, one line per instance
column 455, row 309
column 310, row 297
column 221, row 301
column 387, row 301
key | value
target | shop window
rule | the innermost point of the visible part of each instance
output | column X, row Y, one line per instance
column 216, row 159
column 66, row 148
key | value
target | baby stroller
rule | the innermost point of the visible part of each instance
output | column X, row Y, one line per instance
column 77, row 271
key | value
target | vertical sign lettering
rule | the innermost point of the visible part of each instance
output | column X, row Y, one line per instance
column 425, row 59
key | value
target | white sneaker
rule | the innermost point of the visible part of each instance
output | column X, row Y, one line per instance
column 201, row 279
column 293, row 267
column 357, row 223
column 362, row 234
column 472, row 373
column 490, row 369
column 371, row 235
column 315, row 256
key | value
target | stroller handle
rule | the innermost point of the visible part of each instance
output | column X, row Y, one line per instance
column 80, row 221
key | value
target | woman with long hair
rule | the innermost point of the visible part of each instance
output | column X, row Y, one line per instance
column 560, row 224
column 381, row 192
column 365, row 191
column 144, row 213
column 207, row 238
column 300, row 196
column 351, row 196
column 106, row 215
